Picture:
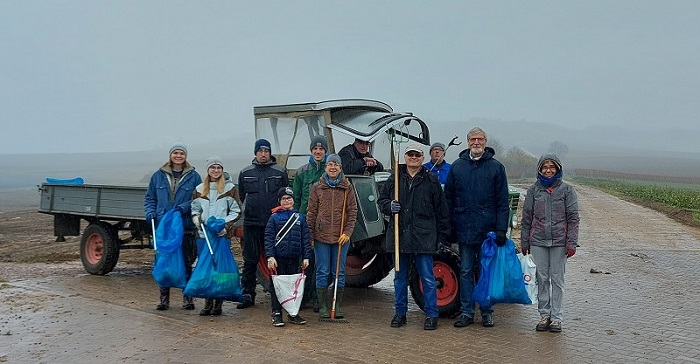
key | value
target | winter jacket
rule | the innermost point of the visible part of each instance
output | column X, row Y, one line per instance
column 221, row 206
column 295, row 244
column 550, row 215
column 477, row 196
column 258, row 185
column 423, row 221
column 306, row 175
column 326, row 209
column 164, row 193
column 354, row 163
column 441, row 170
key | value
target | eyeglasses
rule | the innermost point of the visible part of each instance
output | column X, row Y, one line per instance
column 548, row 168
column 471, row 140
column 414, row 154
column 285, row 198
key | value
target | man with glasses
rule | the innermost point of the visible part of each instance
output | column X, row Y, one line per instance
column 477, row 196
column 358, row 160
column 257, row 186
column 423, row 225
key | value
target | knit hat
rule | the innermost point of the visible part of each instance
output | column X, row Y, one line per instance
column 319, row 141
column 262, row 143
column 178, row 146
column 437, row 145
column 334, row 158
column 214, row 160
column 414, row 147
column 284, row 191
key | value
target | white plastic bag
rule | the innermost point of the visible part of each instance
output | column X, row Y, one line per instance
column 290, row 291
column 529, row 276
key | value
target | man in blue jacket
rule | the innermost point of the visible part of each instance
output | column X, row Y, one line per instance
column 437, row 164
column 476, row 191
column 257, row 186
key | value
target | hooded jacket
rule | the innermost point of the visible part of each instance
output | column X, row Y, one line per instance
column 257, row 186
column 477, row 197
column 164, row 193
column 423, row 220
column 550, row 215
column 219, row 205
column 326, row 209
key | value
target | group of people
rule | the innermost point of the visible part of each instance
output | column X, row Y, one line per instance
column 436, row 203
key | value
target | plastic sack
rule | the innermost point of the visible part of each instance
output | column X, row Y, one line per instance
column 500, row 278
column 169, row 266
column 215, row 275
column 289, row 289
column 527, row 265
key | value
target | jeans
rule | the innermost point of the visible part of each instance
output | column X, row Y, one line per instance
column 469, row 255
column 326, row 258
column 551, row 266
column 424, row 265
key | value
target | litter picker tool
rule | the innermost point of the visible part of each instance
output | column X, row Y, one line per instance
column 337, row 269
column 452, row 142
column 206, row 237
column 153, row 227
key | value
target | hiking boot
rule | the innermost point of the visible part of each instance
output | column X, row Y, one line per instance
column 464, row 321
column 187, row 303
column 277, row 319
column 555, row 326
column 246, row 302
column 543, row 325
column 431, row 323
column 296, row 320
column 216, row 310
column 398, row 321
column 206, row 311
column 323, row 312
column 487, row 320
column 164, row 303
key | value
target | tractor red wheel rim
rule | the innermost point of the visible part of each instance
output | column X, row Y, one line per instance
column 94, row 248
column 446, row 283
column 355, row 264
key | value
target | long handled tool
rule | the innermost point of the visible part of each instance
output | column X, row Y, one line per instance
column 153, row 227
column 337, row 269
column 206, row 237
column 397, row 137
column 452, row 142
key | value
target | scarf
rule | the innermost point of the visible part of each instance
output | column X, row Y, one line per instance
column 548, row 181
column 333, row 183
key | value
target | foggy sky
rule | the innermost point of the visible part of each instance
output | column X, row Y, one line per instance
column 87, row 76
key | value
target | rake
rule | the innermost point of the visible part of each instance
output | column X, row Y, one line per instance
column 337, row 271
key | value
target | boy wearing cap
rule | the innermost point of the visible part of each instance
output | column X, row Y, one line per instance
column 423, row 225
column 258, row 185
column 286, row 241
column 437, row 164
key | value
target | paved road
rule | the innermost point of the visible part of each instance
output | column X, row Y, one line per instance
column 643, row 307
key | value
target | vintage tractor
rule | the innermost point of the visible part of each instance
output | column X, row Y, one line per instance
column 289, row 128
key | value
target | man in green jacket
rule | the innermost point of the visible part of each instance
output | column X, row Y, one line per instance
column 307, row 175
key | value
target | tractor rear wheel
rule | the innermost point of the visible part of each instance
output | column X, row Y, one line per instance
column 365, row 270
column 446, row 268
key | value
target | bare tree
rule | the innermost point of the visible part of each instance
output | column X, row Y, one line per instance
column 559, row 149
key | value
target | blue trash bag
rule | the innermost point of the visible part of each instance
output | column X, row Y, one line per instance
column 217, row 277
column 500, row 278
column 72, row 181
column 169, row 266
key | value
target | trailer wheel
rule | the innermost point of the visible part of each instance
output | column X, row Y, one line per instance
column 99, row 250
column 446, row 268
column 365, row 270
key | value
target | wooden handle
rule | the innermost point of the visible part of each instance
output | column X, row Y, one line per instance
column 396, row 216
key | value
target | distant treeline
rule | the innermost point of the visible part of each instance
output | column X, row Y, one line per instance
column 594, row 173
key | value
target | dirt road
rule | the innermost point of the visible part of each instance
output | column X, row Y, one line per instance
column 632, row 295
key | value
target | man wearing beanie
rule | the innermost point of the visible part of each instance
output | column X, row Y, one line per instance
column 258, row 185
column 307, row 175
column 358, row 160
column 437, row 164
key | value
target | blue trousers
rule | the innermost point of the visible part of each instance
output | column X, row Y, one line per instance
column 326, row 258
column 424, row 265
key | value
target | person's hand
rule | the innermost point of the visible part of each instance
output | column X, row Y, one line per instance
column 525, row 251
column 395, row 207
column 197, row 222
column 222, row 232
column 501, row 238
column 151, row 217
column 370, row 162
column 272, row 263
column 304, row 263
column 179, row 209
column 343, row 239
column 570, row 251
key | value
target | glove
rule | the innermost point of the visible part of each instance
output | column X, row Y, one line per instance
column 179, row 209
column 304, row 263
column 272, row 263
column 150, row 217
column 222, row 232
column 525, row 251
column 395, row 207
column 501, row 238
column 570, row 252
column 197, row 222
column 343, row 239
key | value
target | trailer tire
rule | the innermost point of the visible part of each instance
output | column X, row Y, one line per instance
column 446, row 267
column 99, row 249
column 362, row 271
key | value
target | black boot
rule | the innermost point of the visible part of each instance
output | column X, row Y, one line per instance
column 206, row 311
column 187, row 302
column 322, row 297
column 216, row 311
column 164, row 299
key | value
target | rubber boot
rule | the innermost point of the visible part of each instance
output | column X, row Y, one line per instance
column 322, row 297
column 164, row 299
column 216, row 311
column 206, row 311
column 339, row 303
column 187, row 302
